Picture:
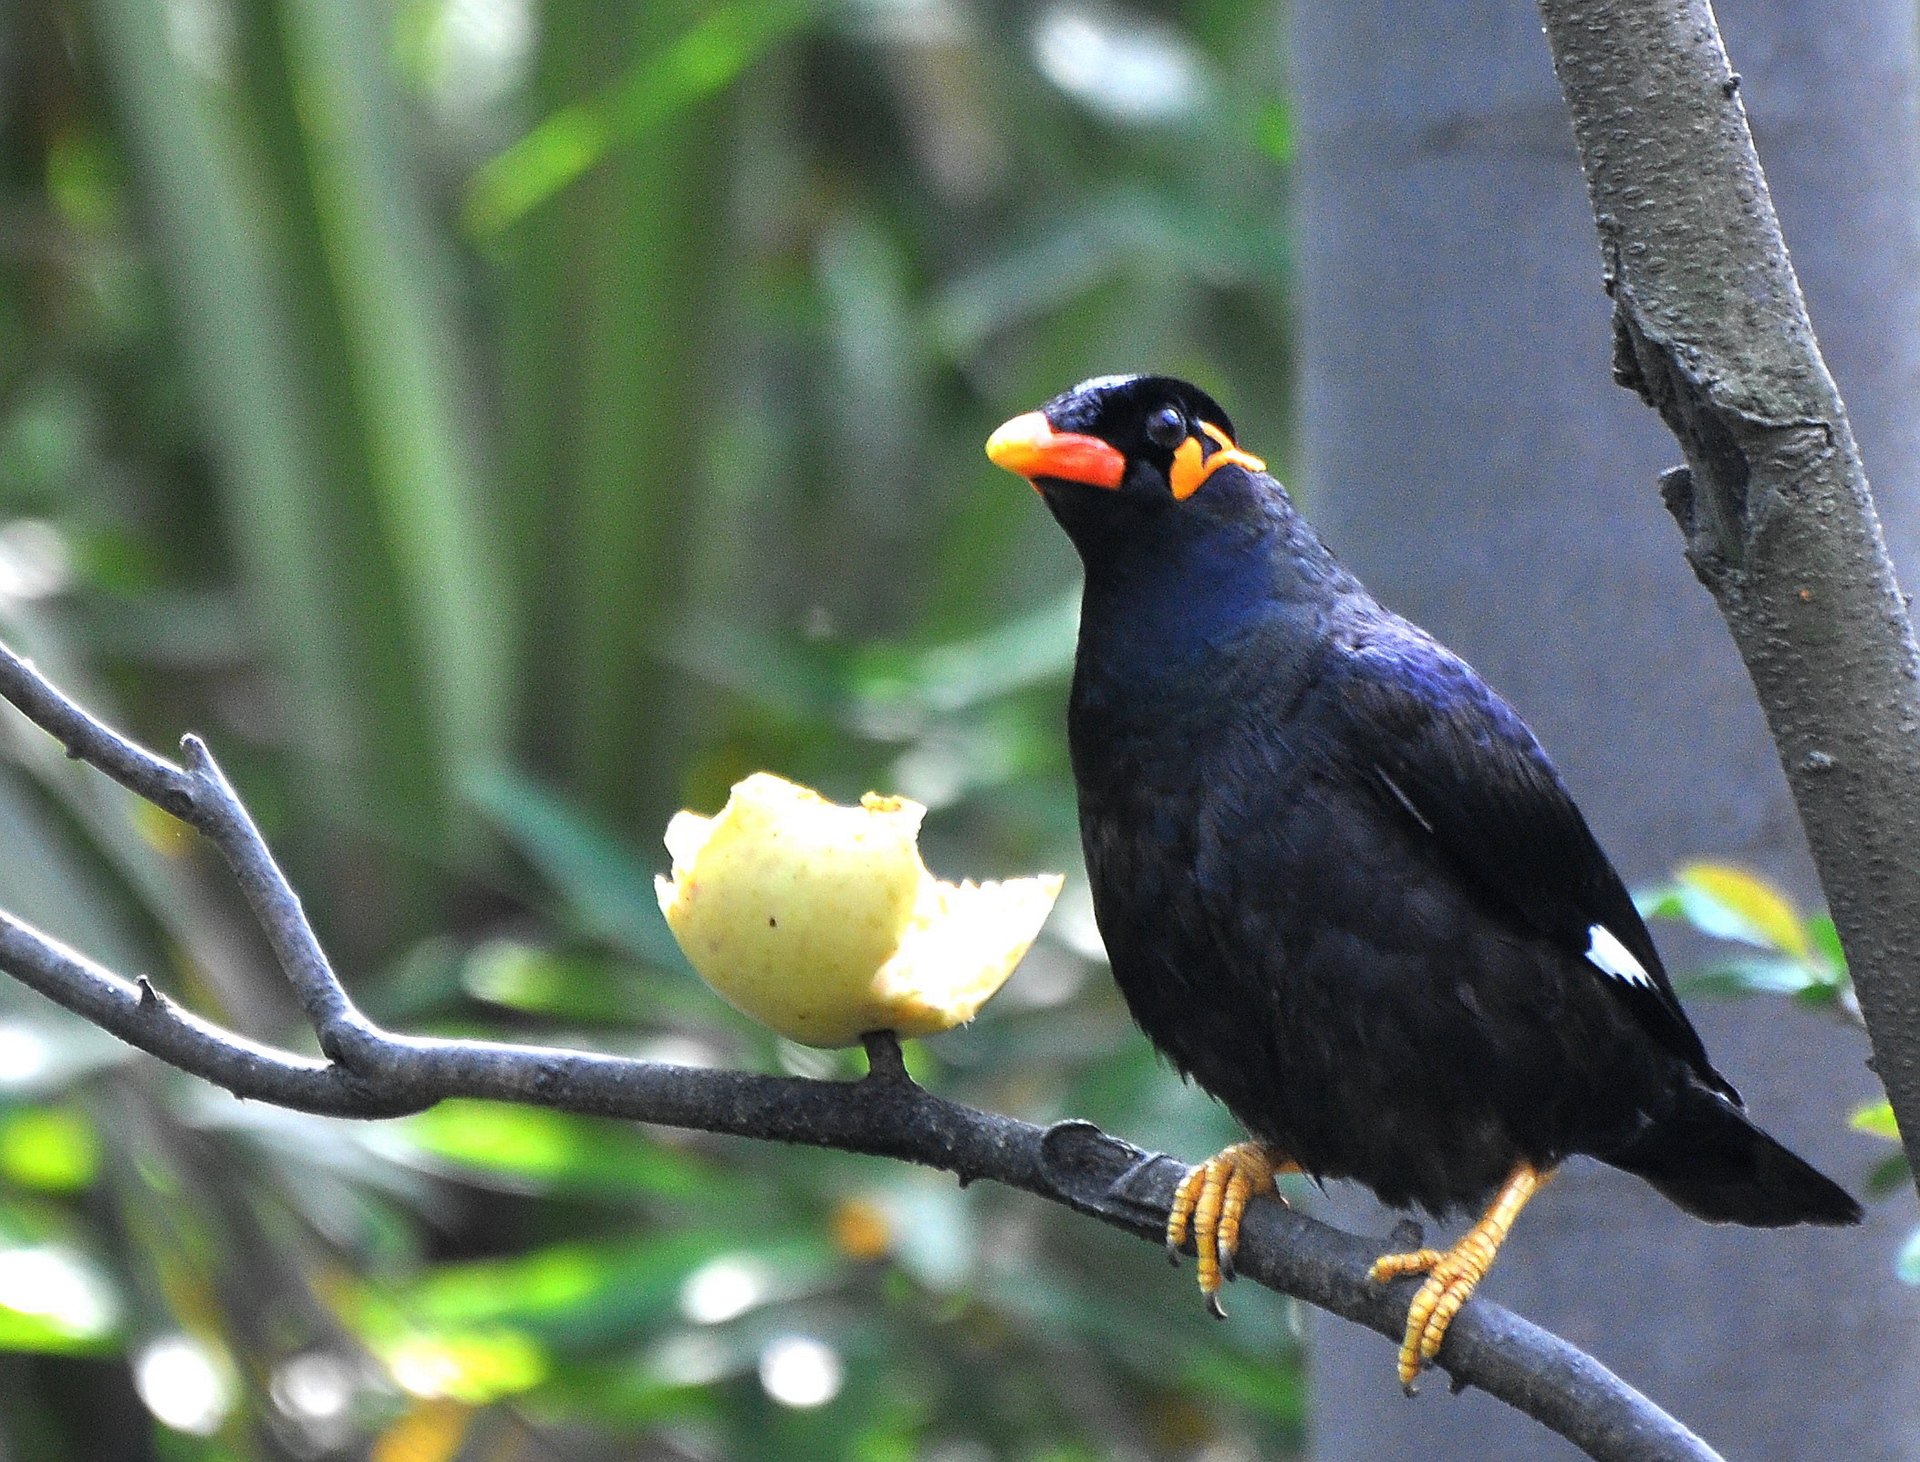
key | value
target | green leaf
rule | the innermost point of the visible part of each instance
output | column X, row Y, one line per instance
column 46, row 1336
column 706, row 59
column 1273, row 131
column 393, row 288
column 276, row 433
column 544, row 1149
column 605, row 886
column 53, row 1298
column 1826, row 943
column 522, row 1140
column 1889, row 1176
column 532, row 1286
column 1660, row 903
column 1766, row 977
column 1820, row 995
column 542, row 981
column 1876, row 1119
column 1273, row 1389
column 1024, row 651
column 581, row 1296
column 1027, row 280
column 753, row 664
column 1131, row 229
column 53, row 1149
column 81, row 181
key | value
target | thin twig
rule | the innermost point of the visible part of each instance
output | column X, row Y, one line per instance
column 224, row 819
column 886, row 1062
column 201, row 796
column 375, row 1073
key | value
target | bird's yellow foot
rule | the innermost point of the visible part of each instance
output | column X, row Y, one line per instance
column 1452, row 1276
column 1211, row 1198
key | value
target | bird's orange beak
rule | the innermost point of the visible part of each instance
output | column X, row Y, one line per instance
column 1031, row 447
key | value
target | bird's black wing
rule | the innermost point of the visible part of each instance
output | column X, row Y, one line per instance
column 1420, row 727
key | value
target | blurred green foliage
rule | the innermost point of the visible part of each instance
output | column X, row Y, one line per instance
column 496, row 424
column 1783, row 951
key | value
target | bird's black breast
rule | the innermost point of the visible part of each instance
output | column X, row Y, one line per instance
column 1288, row 933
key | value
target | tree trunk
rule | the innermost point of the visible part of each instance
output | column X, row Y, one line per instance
column 1467, row 453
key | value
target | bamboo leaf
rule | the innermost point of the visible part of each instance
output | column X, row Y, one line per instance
column 386, row 271
column 241, row 349
column 705, row 59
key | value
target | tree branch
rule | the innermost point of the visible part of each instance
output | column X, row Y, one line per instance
column 375, row 1073
column 1711, row 330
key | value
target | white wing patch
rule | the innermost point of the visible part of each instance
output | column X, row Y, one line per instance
column 1608, row 955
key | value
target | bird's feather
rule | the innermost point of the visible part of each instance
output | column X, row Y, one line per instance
column 1441, row 745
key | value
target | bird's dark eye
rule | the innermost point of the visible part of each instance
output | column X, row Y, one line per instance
column 1167, row 427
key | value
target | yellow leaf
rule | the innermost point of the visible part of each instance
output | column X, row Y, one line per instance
column 471, row 1366
column 162, row 831
column 1769, row 916
column 431, row 1431
column 860, row 1229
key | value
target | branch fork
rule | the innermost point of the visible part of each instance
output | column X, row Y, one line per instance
column 370, row 1072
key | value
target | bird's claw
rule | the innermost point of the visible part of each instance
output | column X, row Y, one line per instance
column 1210, row 1200
column 1451, row 1279
column 1452, row 1276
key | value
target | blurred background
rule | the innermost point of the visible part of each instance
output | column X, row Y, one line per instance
column 497, row 424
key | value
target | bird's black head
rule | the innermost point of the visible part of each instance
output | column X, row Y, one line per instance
column 1117, row 448
column 1188, row 544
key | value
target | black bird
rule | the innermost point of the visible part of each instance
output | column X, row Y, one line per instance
column 1341, row 885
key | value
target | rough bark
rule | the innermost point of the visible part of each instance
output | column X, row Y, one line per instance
column 1711, row 330
column 1467, row 454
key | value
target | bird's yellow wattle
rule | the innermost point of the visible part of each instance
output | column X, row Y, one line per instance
column 1192, row 467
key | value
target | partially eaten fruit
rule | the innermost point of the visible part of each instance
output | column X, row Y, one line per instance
column 821, row 921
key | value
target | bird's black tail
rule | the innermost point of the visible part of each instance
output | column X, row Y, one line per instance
column 1708, row 1158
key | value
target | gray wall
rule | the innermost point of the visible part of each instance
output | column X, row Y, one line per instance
column 1466, row 452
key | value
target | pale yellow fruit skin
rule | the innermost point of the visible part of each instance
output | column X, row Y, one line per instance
column 822, row 923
